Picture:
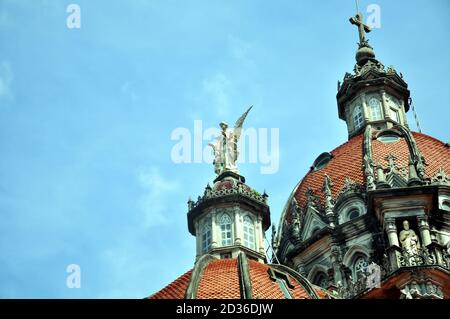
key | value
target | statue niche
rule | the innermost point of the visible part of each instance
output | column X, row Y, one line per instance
column 409, row 240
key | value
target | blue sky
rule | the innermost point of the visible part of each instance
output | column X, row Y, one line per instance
column 86, row 116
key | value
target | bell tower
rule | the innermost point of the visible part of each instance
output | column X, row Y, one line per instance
column 372, row 94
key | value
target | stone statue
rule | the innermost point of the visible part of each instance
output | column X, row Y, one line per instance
column 409, row 240
column 370, row 180
column 225, row 149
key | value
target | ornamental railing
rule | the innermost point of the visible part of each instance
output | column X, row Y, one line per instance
column 209, row 194
column 395, row 259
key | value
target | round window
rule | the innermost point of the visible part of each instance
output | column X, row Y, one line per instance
column 321, row 161
column 388, row 138
column 354, row 213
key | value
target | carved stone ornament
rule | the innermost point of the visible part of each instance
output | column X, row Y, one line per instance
column 440, row 178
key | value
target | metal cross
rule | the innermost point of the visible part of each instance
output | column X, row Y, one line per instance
column 362, row 28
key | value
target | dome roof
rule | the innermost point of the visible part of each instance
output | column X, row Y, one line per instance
column 346, row 166
column 214, row 278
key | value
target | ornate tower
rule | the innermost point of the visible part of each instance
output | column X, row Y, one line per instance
column 229, row 222
column 371, row 217
column 230, row 217
column 373, row 94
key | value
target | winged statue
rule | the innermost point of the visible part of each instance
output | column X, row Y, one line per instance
column 225, row 148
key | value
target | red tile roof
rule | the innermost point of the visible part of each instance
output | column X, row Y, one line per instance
column 398, row 149
column 436, row 154
column 263, row 287
column 220, row 280
column 175, row 290
column 347, row 162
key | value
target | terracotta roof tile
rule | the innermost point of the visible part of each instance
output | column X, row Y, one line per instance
column 398, row 149
column 347, row 161
column 435, row 152
column 220, row 280
column 265, row 288
column 176, row 289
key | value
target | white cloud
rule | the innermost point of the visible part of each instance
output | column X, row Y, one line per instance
column 155, row 203
column 6, row 78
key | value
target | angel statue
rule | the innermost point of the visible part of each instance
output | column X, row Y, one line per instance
column 225, row 148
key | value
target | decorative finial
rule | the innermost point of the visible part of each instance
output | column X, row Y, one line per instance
column 391, row 160
column 225, row 149
column 265, row 196
column 190, row 203
column 274, row 235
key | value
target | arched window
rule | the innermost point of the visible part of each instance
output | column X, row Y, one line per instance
column 249, row 233
column 321, row 279
column 357, row 117
column 225, row 230
column 353, row 214
column 206, row 238
column 375, row 109
column 360, row 267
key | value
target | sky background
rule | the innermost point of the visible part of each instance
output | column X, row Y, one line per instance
column 86, row 116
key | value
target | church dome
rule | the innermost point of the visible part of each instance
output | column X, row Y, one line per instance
column 390, row 149
column 235, row 278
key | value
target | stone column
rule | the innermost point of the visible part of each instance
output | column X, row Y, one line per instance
column 214, row 230
column 391, row 231
column 259, row 236
column 365, row 108
column 237, row 227
column 386, row 109
column 198, row 237
column 348, row 117
column 424, row 229
column 403, row 118
column 299, row 266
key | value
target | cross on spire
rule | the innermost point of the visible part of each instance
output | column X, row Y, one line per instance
column 362, row 28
